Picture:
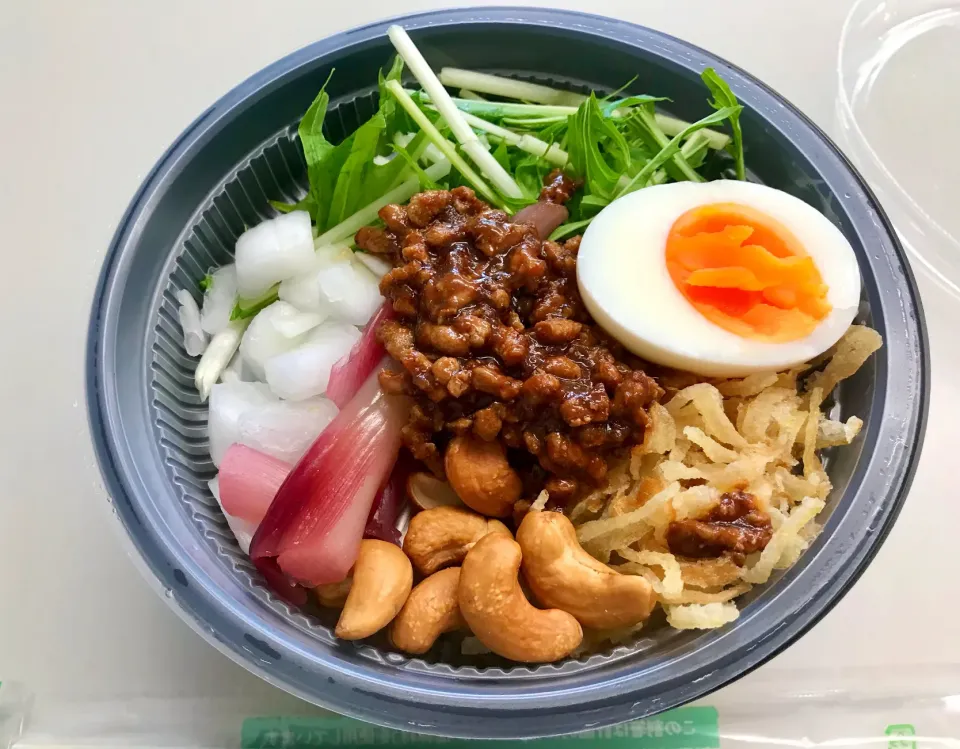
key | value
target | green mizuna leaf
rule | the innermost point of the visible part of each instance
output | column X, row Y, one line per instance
column 641, row 178
column 724, row 98
column 599, row 153
column 406, row 155
column 361, row 179
column 324, row 160
column 246, row 308
column 306, row 204
column 613, row 145
column 611, row 107
column 565, row 230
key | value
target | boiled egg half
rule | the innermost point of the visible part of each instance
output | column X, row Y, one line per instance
column 719, row 278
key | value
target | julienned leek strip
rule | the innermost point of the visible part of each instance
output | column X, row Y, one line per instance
column 217, row 356
column 640, row 178
column 548, row 113
column 663, row 140
column 672, row 126
column 545, row 100
column 528, row 143
column 446, row 147
column 508, row 88
column 451, row 115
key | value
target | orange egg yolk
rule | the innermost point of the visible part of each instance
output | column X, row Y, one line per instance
column 746, row 272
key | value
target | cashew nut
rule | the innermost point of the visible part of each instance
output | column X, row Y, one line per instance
column 479, row 473
column 495, row 608
column 431, row 610
column 426, row 492
column 382, row 579
column 564, row 576
column 443, row 536
column 334, row 595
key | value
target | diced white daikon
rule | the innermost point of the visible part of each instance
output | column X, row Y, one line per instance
column 286, row 429
column 219, row 300
column 268, row 335
column 273, row 251
column 194, row 339
column 350, row 292
column 374, row 263
column 305, row 371
column 237, row 370
column 303, row 291
column 228, row 402
column 292, row 323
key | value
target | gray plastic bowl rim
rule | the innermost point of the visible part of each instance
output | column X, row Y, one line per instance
column 558, row 700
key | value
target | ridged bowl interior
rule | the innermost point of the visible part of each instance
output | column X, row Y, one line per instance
column 149, row 426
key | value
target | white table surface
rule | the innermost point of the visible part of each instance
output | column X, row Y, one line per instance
column 92, row 93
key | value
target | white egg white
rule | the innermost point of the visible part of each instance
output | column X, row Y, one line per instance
column 623, row 278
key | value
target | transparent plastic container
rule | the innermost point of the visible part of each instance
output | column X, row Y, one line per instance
column 899, row 118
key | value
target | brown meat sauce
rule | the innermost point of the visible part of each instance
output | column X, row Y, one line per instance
column 495, row 341
column 735, row 526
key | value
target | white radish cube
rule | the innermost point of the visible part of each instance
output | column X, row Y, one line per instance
column 305, row 371
column 303, row 291
column 374, row 263
column 194, row 339
column 273, row 251
column 292, row 323
column 219, row 300
column 267, row 336
column 350, row 292
column 228, row 402
column 286, row 429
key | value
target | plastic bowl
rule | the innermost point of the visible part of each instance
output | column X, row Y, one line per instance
column 149, row 427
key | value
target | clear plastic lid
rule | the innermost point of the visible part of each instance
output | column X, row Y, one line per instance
column 899, row 117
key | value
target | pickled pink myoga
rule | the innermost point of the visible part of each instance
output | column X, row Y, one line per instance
column 312, row 530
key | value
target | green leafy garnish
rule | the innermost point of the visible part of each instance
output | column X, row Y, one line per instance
column 206, row 282
column 361, row 178
column 565, row 230
column 437, row 137
column 695, row 150
column 303, row 205
column 724, row 98
column 673, row 147
column 526, row 169
column 593, row 203
column 642, row 123
column 613, row 144
column 348, row 176
column 620, row 90
column 610, row 108
column 245, row 308
column 406, row 155
column 599, row 153
column 324, row 160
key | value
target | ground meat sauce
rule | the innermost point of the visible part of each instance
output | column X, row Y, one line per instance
column 494, row 340
column 558, row 188
column 735, row 527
